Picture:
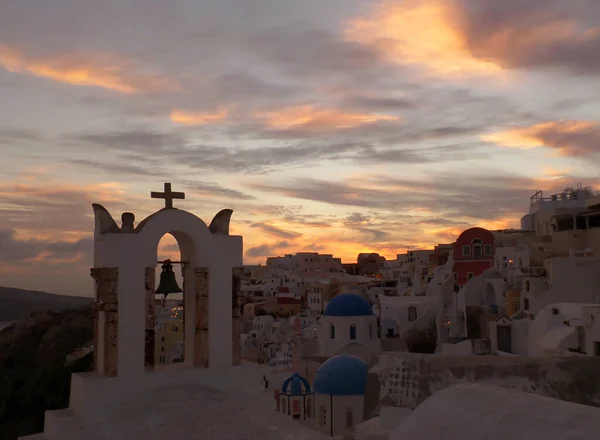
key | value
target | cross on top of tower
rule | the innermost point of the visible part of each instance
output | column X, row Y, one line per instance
column 168, row 195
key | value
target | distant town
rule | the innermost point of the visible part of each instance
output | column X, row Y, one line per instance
column 478, row 295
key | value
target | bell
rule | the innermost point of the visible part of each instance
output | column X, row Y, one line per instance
column 168, row 283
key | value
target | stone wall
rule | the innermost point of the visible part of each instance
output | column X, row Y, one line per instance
column 407, row 379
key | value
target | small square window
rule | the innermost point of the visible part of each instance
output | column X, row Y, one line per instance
column 466, row 250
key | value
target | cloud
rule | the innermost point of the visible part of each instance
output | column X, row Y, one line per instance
column 266, row 250
column 314, row 119
column 481, row 197
column 532, row 33
column 198, row 118
column 470, row 37
column 275, row 231
column 357, row 218
column 147, row 149
column 569, row 138
column 212, row 189
column 438, row 221
column 102, row 70
column 373, row 235
column 418, row 32
column 14, row 249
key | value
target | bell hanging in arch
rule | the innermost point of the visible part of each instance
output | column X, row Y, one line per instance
column 168, row 282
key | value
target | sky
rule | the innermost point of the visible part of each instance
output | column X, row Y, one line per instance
column 334, row 126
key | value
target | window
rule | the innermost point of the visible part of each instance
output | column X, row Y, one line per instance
column 162, row 348
column 412, row 314
column 526, row 304
column 477, row 249
column 349, row 418
column 162, row 339
column 466, row 250
column 352, row 331
column 455, row 276
column 470, row 275
column 331, row 331
column 322, row 415
column 526, row 286
column 488, row 250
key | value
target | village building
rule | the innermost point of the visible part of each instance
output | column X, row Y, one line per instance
column 340, row 386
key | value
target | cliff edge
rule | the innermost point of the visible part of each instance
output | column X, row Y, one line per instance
column 38, row 354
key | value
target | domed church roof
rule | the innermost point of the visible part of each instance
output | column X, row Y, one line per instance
column 342, row 376
column 348, row 304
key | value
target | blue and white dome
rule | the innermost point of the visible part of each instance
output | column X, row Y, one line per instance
column 342, row 376
column 293, row 385
column 348, row 304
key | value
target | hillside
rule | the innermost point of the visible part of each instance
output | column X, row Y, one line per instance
column 17, row 303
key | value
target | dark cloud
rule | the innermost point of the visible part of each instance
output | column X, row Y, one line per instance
column 357, row 218
column 373, row 235
column 12, row 135
column 534, row 33
column 152, row 150
column 478, row 197
column 581, row 140
column 13, row 249
column 275, row 231
column 266, row 250
column 380, row 103
column 438, row 221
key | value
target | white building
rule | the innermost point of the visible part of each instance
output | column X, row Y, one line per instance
column 306, row 263
column 348, row 319
column 570, row 279
column 398, row 314
column 543, row 209
column 340, row 386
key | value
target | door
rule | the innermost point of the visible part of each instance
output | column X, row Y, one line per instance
column 349, row 418
column 473, row 322
column 504, row 338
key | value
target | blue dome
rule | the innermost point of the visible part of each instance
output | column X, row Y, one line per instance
column 293, row 385
column 348, row 304
column 342, row 376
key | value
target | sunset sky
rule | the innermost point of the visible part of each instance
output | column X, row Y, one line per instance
column 338, row 126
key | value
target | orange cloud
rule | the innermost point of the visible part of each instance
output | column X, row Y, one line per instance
column 319, row 119
column 568, row 137
column 554, row 173
column 420, row 32
column 198, row 118
column 95, row 70
column 109, row 192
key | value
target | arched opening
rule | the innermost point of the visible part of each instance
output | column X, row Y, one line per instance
column 477, row 249
column 490, row 298
column 169, row 346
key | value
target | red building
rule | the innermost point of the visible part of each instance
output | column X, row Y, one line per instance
column 473, row 254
